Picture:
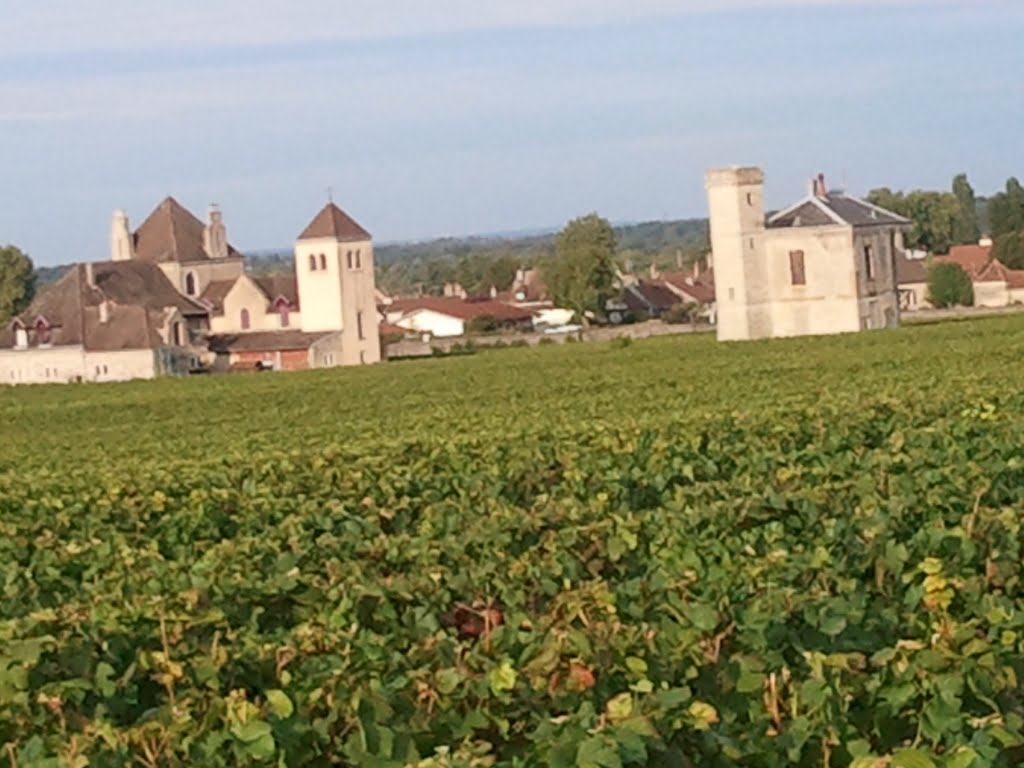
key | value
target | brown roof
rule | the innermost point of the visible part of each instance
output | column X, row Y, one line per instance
column 462, row 309
column 335, row 223
column 264, row 341
column 650, row 296
column 910, row 271
column 138, row 297
column 696, row 288
column 973, row 258
column 277, row 286
column 173, row 233
column 214, row 294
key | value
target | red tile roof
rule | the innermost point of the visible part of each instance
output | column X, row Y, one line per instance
column 701, row 289
column 335, row 223
column 973, row 258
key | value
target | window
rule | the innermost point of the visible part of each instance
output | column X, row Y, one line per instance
column 285, row 311
column 359, row 325
column 323, row 261
column 348, row 259
column 750, row 199
column 312, row 263
column 246, row 322
column 191, row 285
column 797, row 276
column 104, row 370
column 179, row 335
column 42, row 332
column 869, row 262
column 359, row 259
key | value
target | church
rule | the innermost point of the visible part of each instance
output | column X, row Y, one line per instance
column 175, row 298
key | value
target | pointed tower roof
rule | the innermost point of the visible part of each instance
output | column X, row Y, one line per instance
column 334, row 223
column 172, row 233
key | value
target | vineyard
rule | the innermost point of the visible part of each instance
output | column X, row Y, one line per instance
column 801, row 553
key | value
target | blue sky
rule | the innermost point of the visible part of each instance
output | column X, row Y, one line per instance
column 463, row 116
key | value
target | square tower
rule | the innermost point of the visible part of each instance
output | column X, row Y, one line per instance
column 742, row 288
column 337, row 290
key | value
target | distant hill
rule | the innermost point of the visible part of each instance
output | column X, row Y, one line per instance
column 402, row 265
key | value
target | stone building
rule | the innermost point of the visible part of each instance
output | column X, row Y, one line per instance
column 109, row 321
column 175, row 297
column 824, row 265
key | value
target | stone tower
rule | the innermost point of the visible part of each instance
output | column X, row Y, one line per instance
column 337, row 289
column 742, row 282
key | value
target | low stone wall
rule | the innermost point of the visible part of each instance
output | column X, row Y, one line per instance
column 954, row 313
column 416, row 348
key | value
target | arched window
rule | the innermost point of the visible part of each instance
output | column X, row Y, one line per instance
column 285, row 311
column 246, row 322
column 323, row 261
column 42, row 332
column 191, row 284
column 312, row 263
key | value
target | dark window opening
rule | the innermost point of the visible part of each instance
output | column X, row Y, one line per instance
column 359, row 325
column 312, row 263
column 323, row 261
column 869, row 262
column 797, row 275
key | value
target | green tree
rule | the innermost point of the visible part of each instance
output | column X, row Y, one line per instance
column 935, row 216
column 1006, row 210
column 967, row 229
column 17, row 281
column 949, row 286
column 1009, row 249
column 581, row 275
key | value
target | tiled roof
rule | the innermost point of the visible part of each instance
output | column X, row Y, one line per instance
column 334, row 223
column 910, row 271
column 215, row 293
column 647, row 296
column 461, row 309
column 276, row 286
column 138, row 297
column 973, row 258
column 264, row 341
column 700, row 289
column 834, row 209
column 173, row 233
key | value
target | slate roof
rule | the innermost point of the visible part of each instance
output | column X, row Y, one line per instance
column 215, row 293
column 276, row 286
column 334, row 223
column 265, row 341
column 138, row 297
column 172, row 233
column 834, row 209
column 648, row 296
column 701, row 289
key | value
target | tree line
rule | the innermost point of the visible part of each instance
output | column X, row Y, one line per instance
column 960, row 217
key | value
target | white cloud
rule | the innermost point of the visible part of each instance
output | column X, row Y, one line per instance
column 98, row 25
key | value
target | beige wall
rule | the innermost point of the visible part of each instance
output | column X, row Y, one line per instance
column 327, row 352
column 245, row 294
column 61, row 365
column 991, row 294
column 340, row 298
column 914, row 296
column 206, row 272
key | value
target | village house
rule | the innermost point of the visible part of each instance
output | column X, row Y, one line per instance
column 826, row 264
column 109, row 321
column 451, row 316
column 175, row 297
column 995, row 284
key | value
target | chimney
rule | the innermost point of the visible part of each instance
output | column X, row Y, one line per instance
column 821, row 190
column 215, row 236
column 122, row 244
column 696, row 269
column 90, row 275
column 653, row 271
column 494, row 292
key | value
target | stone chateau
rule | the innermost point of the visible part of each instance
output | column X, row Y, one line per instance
column 175, row 298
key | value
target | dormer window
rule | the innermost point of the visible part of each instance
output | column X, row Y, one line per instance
column 42, row 332
column 284, row 310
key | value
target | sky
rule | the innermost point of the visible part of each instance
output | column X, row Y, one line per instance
column 459, row 117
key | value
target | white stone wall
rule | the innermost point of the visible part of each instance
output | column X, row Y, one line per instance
column 991, row 294
column 62, row 365
column 439, row 325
